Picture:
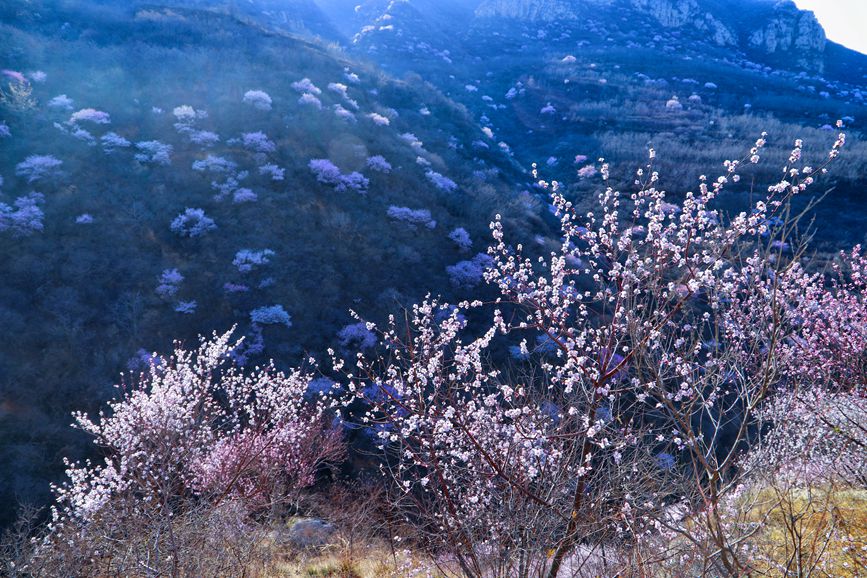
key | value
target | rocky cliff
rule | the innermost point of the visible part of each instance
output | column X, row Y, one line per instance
column 761, row 27
column 791, row 33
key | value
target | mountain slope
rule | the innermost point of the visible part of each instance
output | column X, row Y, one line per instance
column 213, row 173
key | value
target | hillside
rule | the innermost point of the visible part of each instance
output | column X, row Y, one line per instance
column 273, row 164
column 556, row 80
column 94, row 273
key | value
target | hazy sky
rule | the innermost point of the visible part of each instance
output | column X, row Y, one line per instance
column 845, row 21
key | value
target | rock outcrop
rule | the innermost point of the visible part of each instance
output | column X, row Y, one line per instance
column 680, row 13
column 792, row 32
column 532, row 10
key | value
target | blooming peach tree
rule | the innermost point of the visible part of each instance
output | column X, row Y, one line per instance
column 651, row 339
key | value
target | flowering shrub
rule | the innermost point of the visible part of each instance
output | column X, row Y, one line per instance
column 461, row 238
column 258, row 99
column 83, row 135
column 305, row 85
column 271, row 315
column 111, row 141
column 61, row 101
column 469, row 274
column 258, row 142
column 587, row 172
column 412, row 217
column 327, row 173
column 246, row 260
column 24, row 216
column 441, row 182
column 204, row 138
column 276, row 173
column 356, row 337
column 214, row 164
column 38, row 167
column 169, row 283
column 379, row 164
column 310, row 100
column 379, row 119
column 90, row 115
column 184, row 114
column 192, row 223
column 196, row 431
column 244, row 195
column 154, row 151
column 344, row 114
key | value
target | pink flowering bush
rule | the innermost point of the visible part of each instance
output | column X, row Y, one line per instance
column 653, row 337
column 195, row 430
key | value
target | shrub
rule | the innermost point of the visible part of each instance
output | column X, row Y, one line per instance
column 38, row 167
column 192, row 223
column 24, row 217
column 258, row 99
column 195, row 436
column 412, row 217
column 379, row 164
column 271, row 315
column 90, row 115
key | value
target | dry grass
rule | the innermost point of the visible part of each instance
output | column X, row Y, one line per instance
column 810, row 531
column 338, row 562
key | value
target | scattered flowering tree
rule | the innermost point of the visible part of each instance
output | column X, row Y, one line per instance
column 470, row 273
column 38, row 167
column 24, row 217
column 90, row 115
column 271, row 315
column 258, row 142
column 461, row 238
column 273, row 171
column 246, row 260
column 204, row 138
column 111, row 141
column 379, row 164
column 305, row 85
column 308, row 99
column 61, row 101
column 329, row 174
column 412, row 217
column 168, row 283
column 18, row 94
column 154, row 151
column 379, row 119
column 192, row 223
column 441, row 182
column 214, row 164
column 356, row 337
column 258, row 99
